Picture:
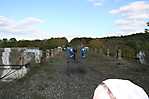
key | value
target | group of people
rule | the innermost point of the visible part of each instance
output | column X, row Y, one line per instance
column 72, row 52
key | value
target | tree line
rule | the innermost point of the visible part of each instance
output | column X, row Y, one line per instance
column 42, row 44
column 130, row 44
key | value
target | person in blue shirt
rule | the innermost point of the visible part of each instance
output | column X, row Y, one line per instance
column 71, row 53
column 83, row 52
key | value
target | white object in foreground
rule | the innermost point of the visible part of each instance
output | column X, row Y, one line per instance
column 14, row 74
column 119, row 89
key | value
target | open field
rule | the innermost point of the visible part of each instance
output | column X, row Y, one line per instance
column 54, row 80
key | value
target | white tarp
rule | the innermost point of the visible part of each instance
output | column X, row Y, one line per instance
column 121, row 89
column 11, row 73
column 37, row 53
column 5, row 56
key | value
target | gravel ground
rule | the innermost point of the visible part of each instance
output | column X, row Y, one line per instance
column 73, row 80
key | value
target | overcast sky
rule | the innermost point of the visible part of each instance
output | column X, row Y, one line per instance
column 41, row 19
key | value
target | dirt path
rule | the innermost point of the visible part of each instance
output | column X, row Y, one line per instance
column 54, row 81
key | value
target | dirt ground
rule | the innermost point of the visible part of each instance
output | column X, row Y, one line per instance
column 62, row 79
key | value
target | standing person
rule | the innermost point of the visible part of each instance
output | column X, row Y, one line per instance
column 75, row 54
column 70, row 53
column 83, row 52
column 71, row 57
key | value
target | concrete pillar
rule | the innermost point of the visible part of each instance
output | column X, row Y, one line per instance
column 108, row 52
column 119, row 54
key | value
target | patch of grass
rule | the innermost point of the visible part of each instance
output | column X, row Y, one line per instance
column 38, row 96
column 37, row 69
column 56, row 60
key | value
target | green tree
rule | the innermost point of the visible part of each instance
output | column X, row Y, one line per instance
column 5, row 40
column 96, row 43
column 12, row 40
